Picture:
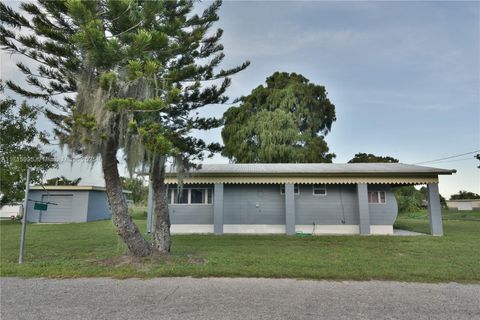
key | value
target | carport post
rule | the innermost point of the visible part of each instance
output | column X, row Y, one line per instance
column 434, row 210
column 363, row 208
column 24, row 220
column 289, row 209
column 218, row 208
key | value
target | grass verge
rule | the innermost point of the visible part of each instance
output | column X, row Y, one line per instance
column 93, row 250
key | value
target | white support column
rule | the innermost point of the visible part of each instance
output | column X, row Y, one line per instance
column 434, row 210
column 363, row 208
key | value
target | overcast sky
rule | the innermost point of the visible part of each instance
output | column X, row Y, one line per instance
column 404, row 76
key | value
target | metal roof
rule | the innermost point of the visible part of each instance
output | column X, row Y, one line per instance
column 72, row 188
column 316, row 168
column 69, row 188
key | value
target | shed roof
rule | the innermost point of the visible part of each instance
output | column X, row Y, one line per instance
column 72, row 188
column 312, row 173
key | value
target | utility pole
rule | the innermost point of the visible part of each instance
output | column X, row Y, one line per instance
column 24, row 219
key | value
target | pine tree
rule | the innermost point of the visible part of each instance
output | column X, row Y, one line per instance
column 140, row 70
column 284, row 121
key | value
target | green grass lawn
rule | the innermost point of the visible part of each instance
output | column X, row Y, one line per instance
column 446, row 215
column 93, row 249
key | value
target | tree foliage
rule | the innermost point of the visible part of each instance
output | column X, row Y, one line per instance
column 409, row 199
column 371, row 158
column 140, row 71
column 462, row 194
column 63, row 181
column 138, row 189
column 20, row 149
column 284, row 121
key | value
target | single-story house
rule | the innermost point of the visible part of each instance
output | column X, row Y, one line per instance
column 68, row 204
column 464, row 204
column 319, row 198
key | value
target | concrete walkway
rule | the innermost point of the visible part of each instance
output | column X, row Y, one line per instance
column 223, row 298
column 400, row 232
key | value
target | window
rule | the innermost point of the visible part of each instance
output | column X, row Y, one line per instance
column 376, row 197
column 201, row 196
column 197, row 195
column 320, row 189
column 180, row 196
column 296, row 189
column 190, row 196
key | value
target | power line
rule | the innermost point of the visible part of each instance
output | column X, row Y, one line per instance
column 450, row 157
column 456, row 160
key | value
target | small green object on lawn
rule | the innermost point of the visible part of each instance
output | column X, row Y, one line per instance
column 303, row 234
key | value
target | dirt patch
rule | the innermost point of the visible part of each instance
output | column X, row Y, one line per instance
column 116, row 261
column 196, row 259
column 127, row 260
column 145, row 262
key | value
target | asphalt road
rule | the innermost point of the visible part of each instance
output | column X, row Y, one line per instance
column 222, row 298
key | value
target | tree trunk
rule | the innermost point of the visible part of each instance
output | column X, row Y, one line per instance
column 161, row 219
column 136, row 243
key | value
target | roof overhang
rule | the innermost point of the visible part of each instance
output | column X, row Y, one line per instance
column 68, row 188
column 71, row 188
column 304, row 179
column 400, row 174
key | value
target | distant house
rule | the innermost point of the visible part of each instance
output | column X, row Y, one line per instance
column 10, row 211
column 289, row 198
column 68, row 204
column 464, row 204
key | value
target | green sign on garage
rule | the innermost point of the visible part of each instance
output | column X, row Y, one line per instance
column 40, row 206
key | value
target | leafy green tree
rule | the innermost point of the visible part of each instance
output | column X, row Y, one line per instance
column 284, row 121
column 371, row 158
column 140, row 71
column 19, row 149
column 62, row 181
column 462, row 194
column 409, row 199
column 138, row 188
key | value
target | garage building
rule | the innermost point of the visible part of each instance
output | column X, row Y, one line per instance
column 68, row 204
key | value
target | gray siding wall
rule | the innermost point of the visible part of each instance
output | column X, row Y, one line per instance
column 98, row 208
column 383, row 213
column 77, row 212
column 191, row 214
column 263, row 204
column 339, row 203
column 253, row 204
